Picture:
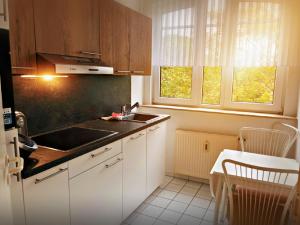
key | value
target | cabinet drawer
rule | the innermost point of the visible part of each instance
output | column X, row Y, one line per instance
column 91, row 159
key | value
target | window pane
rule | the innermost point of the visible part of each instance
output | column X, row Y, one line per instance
column 211, row 90
column 176, row 82
column 254, row 84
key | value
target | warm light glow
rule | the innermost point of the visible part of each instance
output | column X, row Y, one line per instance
column 44, row 77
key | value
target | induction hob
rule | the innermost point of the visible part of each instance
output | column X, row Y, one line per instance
column 70, row 138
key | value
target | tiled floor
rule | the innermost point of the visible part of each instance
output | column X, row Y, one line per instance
column 179, row 202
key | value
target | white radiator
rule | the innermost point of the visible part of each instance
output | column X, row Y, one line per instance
column 196, row 152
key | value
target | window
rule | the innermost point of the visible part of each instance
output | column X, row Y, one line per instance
column 176, row 82
column 219, row 53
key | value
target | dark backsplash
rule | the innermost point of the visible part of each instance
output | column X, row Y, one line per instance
column 62, row 102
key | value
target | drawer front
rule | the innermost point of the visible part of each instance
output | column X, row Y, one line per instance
column 91, row 159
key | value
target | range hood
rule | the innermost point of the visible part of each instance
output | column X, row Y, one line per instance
column 61, row 64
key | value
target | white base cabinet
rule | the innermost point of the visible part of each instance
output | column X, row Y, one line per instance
column 96, row 195
column 155, row 156
column 134, row 172
column 46, row 197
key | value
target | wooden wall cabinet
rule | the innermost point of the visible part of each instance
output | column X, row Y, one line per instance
column 103, row 29
column 22, row 36
column 132, row 41
column 140, row 43
column 67, row 27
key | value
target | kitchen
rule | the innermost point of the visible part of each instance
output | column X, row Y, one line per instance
column 76, row 65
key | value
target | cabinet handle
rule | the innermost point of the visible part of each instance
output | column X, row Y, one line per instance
column 206, row 146
column 137, row 137
column 17, row 155
column 114, row 163
column 23, row 68
column 4, row 14
column 37, row 181
column 154, row 129
column 123, row 71
column 90, row 53
column 100, row 153
column 138, row 72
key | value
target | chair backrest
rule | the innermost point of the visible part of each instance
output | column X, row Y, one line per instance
column 265, row 141
column 292, row 131
column 257, row 195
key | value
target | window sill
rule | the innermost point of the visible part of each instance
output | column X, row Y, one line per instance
column 221, row 111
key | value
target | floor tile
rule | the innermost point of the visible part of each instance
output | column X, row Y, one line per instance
column 157, row 191
column 212, row 206
column 206, row 223
column 189, row 220
column 199, row 202
column 179, row 181
column 183, row 198
column 193, row 184
column 209, row 216
column 205, row 187
column 195, row 211
column 204, row 194
column 152, row 211
column 130, row 218
column 160, row 202
column 174, row 187
column 189, row 191
column 177, row 206
column 170, row 216
column 150, row 199
column 143, row 220
column 160, row 222
column 141, row 207
column 167, row 194
column 166, row 181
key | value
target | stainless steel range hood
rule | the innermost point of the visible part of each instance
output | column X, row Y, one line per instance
column 61, row 64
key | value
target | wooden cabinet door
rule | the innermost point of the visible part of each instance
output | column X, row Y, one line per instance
column 106, row 8
column 49, row 19
column 121, row 47
column 156, row 137
column 134, row 172
column 22, row 38
column 82, row 28
column 96, row 195
column 46, row 197
column 140, row 43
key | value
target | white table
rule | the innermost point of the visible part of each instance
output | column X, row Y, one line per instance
column 217, row 174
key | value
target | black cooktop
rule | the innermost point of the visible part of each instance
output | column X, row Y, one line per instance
column 71, row 138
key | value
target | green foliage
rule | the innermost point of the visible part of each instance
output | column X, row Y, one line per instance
column 254, row 84
column 176, row 82
column 211, row 90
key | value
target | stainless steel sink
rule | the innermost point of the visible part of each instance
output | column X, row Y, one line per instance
column 140, row 118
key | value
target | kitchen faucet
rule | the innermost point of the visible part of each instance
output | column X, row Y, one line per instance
column 126, row 109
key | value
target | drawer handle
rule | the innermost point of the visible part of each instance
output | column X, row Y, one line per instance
column 138, row 136
column 100, row 153
column 114, row 163
column 154, row 129
column 90, row 53
column 23, row 68
column 138, row 72
column 37, row 181
column 123, row 71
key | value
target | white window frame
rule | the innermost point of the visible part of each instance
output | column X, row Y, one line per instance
column 226, row 92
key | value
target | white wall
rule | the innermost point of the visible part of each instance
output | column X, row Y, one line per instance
column 208, row 122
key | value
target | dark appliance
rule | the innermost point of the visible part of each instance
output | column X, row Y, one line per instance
column 71, row 138
column 6, row 81
column 26, row 144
